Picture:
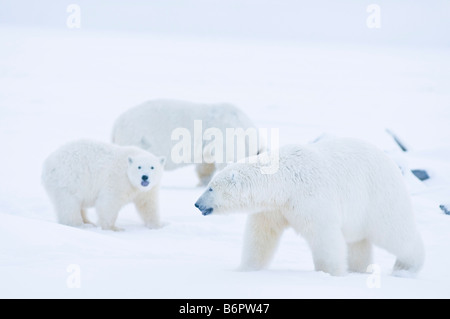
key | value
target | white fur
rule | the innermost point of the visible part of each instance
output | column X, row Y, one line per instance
column 150, row 125
column 341, row 195
column 87, row 173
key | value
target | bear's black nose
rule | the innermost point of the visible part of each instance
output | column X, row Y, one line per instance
column 197, row 205
column 144, row 177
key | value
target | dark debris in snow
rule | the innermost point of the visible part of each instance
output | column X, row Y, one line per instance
column 421, row 174
column 445, row 209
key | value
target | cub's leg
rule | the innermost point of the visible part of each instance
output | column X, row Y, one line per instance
column 107, row 208
column 147, row 204
column 68, row 209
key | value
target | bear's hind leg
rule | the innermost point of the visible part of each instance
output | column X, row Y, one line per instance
column 359, row 256
column 205, row 172
column 410, row 256
column 68, row 210
column 406, row 244
column 84, row 217
column 262, row 235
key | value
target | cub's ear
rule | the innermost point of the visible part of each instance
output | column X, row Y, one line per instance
column 162, row 160
column 130, row 160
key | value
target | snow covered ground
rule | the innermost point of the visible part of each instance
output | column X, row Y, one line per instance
column 59, row 84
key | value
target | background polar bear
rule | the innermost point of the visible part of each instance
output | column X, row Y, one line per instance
column 151, row 124
column 87, row 173
column 341, row 195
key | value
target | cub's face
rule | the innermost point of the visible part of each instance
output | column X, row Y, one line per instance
column 144, row 172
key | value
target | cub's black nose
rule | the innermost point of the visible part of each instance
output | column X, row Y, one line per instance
column 144, row 177
column 196, row 205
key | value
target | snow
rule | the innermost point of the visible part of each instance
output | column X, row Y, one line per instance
column 59, row 84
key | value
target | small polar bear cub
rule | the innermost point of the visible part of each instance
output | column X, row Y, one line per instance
column 86, row 173
column 341, row 195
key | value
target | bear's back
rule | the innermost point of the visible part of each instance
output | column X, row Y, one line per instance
column 85, row 166
column 161, row 117
column 345, row 166
column 152, row 124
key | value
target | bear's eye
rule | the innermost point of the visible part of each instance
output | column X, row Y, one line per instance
column 210, row 189
column 152, row 167
column 139, row 167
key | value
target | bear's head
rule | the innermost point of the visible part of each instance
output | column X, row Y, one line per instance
column 145, row 171
column 234, row 189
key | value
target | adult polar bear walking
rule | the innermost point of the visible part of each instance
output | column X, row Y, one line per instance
column 341, row 195
column 150, row 126
column 88, row 173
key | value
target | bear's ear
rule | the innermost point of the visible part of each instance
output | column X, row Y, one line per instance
column 130, row 160
column 146, row 145
column 233, row 178
column 162, row 160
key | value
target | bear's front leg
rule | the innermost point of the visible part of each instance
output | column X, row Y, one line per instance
column 262, row 235
column 107, row 208
column 329, row 249
column 147, row 205
column 359, row 256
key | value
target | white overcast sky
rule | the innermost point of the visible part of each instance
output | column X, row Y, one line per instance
column 403, row 22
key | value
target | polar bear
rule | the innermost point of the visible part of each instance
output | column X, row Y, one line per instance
column 341, row 195
column 156, row 125
column 88, row 173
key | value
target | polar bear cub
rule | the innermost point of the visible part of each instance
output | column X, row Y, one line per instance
column 341, row 195
column 88, row 173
